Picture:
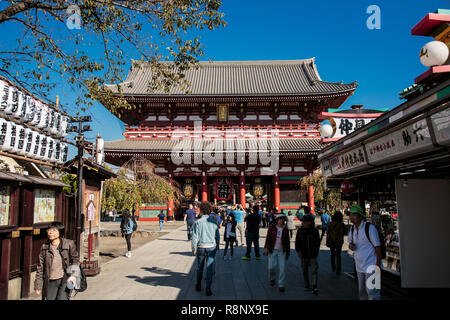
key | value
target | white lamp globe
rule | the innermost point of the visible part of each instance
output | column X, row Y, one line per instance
column 434, row 53
column 326, row 130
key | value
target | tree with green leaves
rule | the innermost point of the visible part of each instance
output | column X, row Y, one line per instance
column 328, row 197
column 86, row 43
column 136, row 184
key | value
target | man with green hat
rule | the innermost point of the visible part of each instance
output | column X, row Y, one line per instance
column 367, row 249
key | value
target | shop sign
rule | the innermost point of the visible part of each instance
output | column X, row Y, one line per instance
column 224, row 189
column 347, row 187
column 408, row 140
column 348, row 161
column 91, row 211
column 344, row 126
column 441, row 126
column 44, row 205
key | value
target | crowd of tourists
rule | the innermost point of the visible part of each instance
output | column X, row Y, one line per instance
column 58, row 272
column 239, row 224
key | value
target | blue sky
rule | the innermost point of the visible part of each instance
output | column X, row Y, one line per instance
column 383, row 62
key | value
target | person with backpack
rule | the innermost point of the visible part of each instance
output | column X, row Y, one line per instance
column 57, row 262
column 252, row 233
column 366, row 242
column 335, row 239
column 325, row 219
column 161, row 218
column 128, row 226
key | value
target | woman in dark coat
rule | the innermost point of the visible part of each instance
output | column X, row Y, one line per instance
column 56, row 255
column 229, row 236
column 335, row 239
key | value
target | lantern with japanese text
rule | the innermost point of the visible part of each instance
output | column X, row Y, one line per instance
column 21, row 136
column 4, row 96
column 29, row 142
column 37, row 112
column 5, row 135
column 347, row 187
column 45, row 116
column 42, row 147
column 21, row 105
column 30, row 109
column 36, row 146
column 224, row 189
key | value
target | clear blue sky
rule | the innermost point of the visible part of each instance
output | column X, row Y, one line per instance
column 383, row 62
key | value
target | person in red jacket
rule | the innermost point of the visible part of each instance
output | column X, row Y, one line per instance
column 277, row 247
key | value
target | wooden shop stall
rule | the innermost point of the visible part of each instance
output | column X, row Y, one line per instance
column 28, row 204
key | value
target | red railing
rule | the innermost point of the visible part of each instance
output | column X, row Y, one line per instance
column 161, row 132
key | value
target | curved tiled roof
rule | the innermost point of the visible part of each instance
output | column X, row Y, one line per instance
column 167, row 145
column 239, row 78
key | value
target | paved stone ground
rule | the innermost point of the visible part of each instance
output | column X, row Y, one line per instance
column 164, row 269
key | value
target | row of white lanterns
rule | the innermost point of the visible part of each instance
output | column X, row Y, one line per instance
column 23, row 141
column 25, row 108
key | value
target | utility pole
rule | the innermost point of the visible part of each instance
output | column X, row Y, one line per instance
column 80, row 145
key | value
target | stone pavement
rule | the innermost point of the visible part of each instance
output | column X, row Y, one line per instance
column 164, row 269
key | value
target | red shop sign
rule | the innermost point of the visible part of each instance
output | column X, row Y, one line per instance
column 347, row 187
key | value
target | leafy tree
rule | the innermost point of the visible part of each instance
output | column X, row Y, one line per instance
column 71, row 180
column 135, row 185
column 85, row 46
column 326, row 198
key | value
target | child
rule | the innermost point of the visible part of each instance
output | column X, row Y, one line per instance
column 307, row 245
column 229, row 236
column 277, row 247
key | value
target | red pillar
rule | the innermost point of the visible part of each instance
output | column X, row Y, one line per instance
column 204, row 187
column 242, row 189
column 170, row 210
column 276, row 193
column 311, row 198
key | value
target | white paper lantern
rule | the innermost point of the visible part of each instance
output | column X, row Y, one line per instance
column 326, row 130
column 434, row 53
column 36, row 146
column 43, row 147
column 51, row 120
column 64, row 152
column 5, row 135
column 51, row 150
column 64, row 130
column 57, row 128
column 12, row 102
column 29, row 141
column 30, row 110
column 14, row 141
column 57, row 152
column 37, row 112
column 19, row 113
column 4, row 95
column 21, row 136
column 45, row 116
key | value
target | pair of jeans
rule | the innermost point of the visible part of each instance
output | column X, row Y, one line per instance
column 57, row 290
column 161, row 222
column 189, row 230
column 228, row 243
column 252, row 238
column 277, row 260
column 336, row 257
column 364, row 292
column 128, row 238
column 205, row 255
column 240, row 227
column 310, row 263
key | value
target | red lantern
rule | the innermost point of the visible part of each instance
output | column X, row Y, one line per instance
column 224, row 189
column 347, row 187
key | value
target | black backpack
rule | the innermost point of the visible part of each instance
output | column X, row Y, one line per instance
column 380, row 236
column 134, row 224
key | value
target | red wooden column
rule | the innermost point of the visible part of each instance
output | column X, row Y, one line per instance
column 242, row 189
column 276, row 192
column 204, row 187
column 170, row 201
column 311, row 196
column 4, row 267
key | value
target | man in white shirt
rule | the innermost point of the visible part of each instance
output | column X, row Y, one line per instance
column 367, row 251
